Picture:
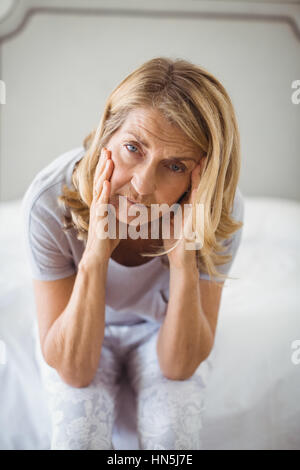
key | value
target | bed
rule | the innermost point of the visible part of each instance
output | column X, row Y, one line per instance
column 50, row 99
column 253, row 391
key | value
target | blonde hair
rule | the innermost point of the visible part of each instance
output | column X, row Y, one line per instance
column 193, row 99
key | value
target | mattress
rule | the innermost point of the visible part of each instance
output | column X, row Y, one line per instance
column 253, row 392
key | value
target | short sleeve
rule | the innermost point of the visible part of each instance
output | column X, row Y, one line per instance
column 47, row 246
column 232, row 244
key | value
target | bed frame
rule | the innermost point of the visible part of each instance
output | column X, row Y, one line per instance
column 59, row 60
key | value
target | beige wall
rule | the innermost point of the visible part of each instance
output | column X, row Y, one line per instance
column 60, row 63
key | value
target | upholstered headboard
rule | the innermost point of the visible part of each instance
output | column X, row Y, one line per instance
column 61, row 58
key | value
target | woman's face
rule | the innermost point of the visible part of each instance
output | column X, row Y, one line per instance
column 153, row 161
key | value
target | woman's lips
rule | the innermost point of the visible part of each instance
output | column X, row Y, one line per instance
column 130, row 202
column 133, row 202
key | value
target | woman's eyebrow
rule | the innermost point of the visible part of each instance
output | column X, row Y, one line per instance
column 145, row 144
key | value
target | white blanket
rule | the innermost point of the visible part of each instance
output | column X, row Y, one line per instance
column 253, row 392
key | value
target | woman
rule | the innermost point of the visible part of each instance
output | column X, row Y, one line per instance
column 168, row 135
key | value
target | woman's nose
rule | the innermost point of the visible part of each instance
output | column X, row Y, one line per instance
column 143, row 180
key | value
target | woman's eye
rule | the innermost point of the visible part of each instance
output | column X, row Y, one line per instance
column 180, row 168
column 130, row 145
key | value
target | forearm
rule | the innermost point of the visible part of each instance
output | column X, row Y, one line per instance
column 185, row 337
column 74, row 341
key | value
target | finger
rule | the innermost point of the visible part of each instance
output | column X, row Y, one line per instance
column 103, row 199
column 107, row 172
column 106, row 175
column 196, row 175
column 104, row 156
column 193, row 196
column 105, row 192
column 103, row 195
column 97, row 187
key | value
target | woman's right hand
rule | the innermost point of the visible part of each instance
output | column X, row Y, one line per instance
column 98, row 247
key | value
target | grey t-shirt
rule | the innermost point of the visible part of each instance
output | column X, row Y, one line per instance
column 133, row 293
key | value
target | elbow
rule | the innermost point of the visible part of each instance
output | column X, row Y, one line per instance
column 172, row 373
column 82, row 384
column 76, row 377
column 184, row 373
column 75, row 380
column 176, row 376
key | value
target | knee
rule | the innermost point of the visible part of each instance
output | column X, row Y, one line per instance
column 174, row 438
column 81, row 435
column 83, row 420
column 169, row 417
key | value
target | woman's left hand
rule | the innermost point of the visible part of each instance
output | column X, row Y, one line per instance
column 180, row 256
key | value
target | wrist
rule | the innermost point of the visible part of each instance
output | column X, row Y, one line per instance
column 90, row 261
column 183, row 259
column 185, row 264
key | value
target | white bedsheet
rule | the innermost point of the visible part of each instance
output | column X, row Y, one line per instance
column 253, row 393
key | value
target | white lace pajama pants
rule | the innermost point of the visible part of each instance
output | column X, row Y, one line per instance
column 169, row 412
